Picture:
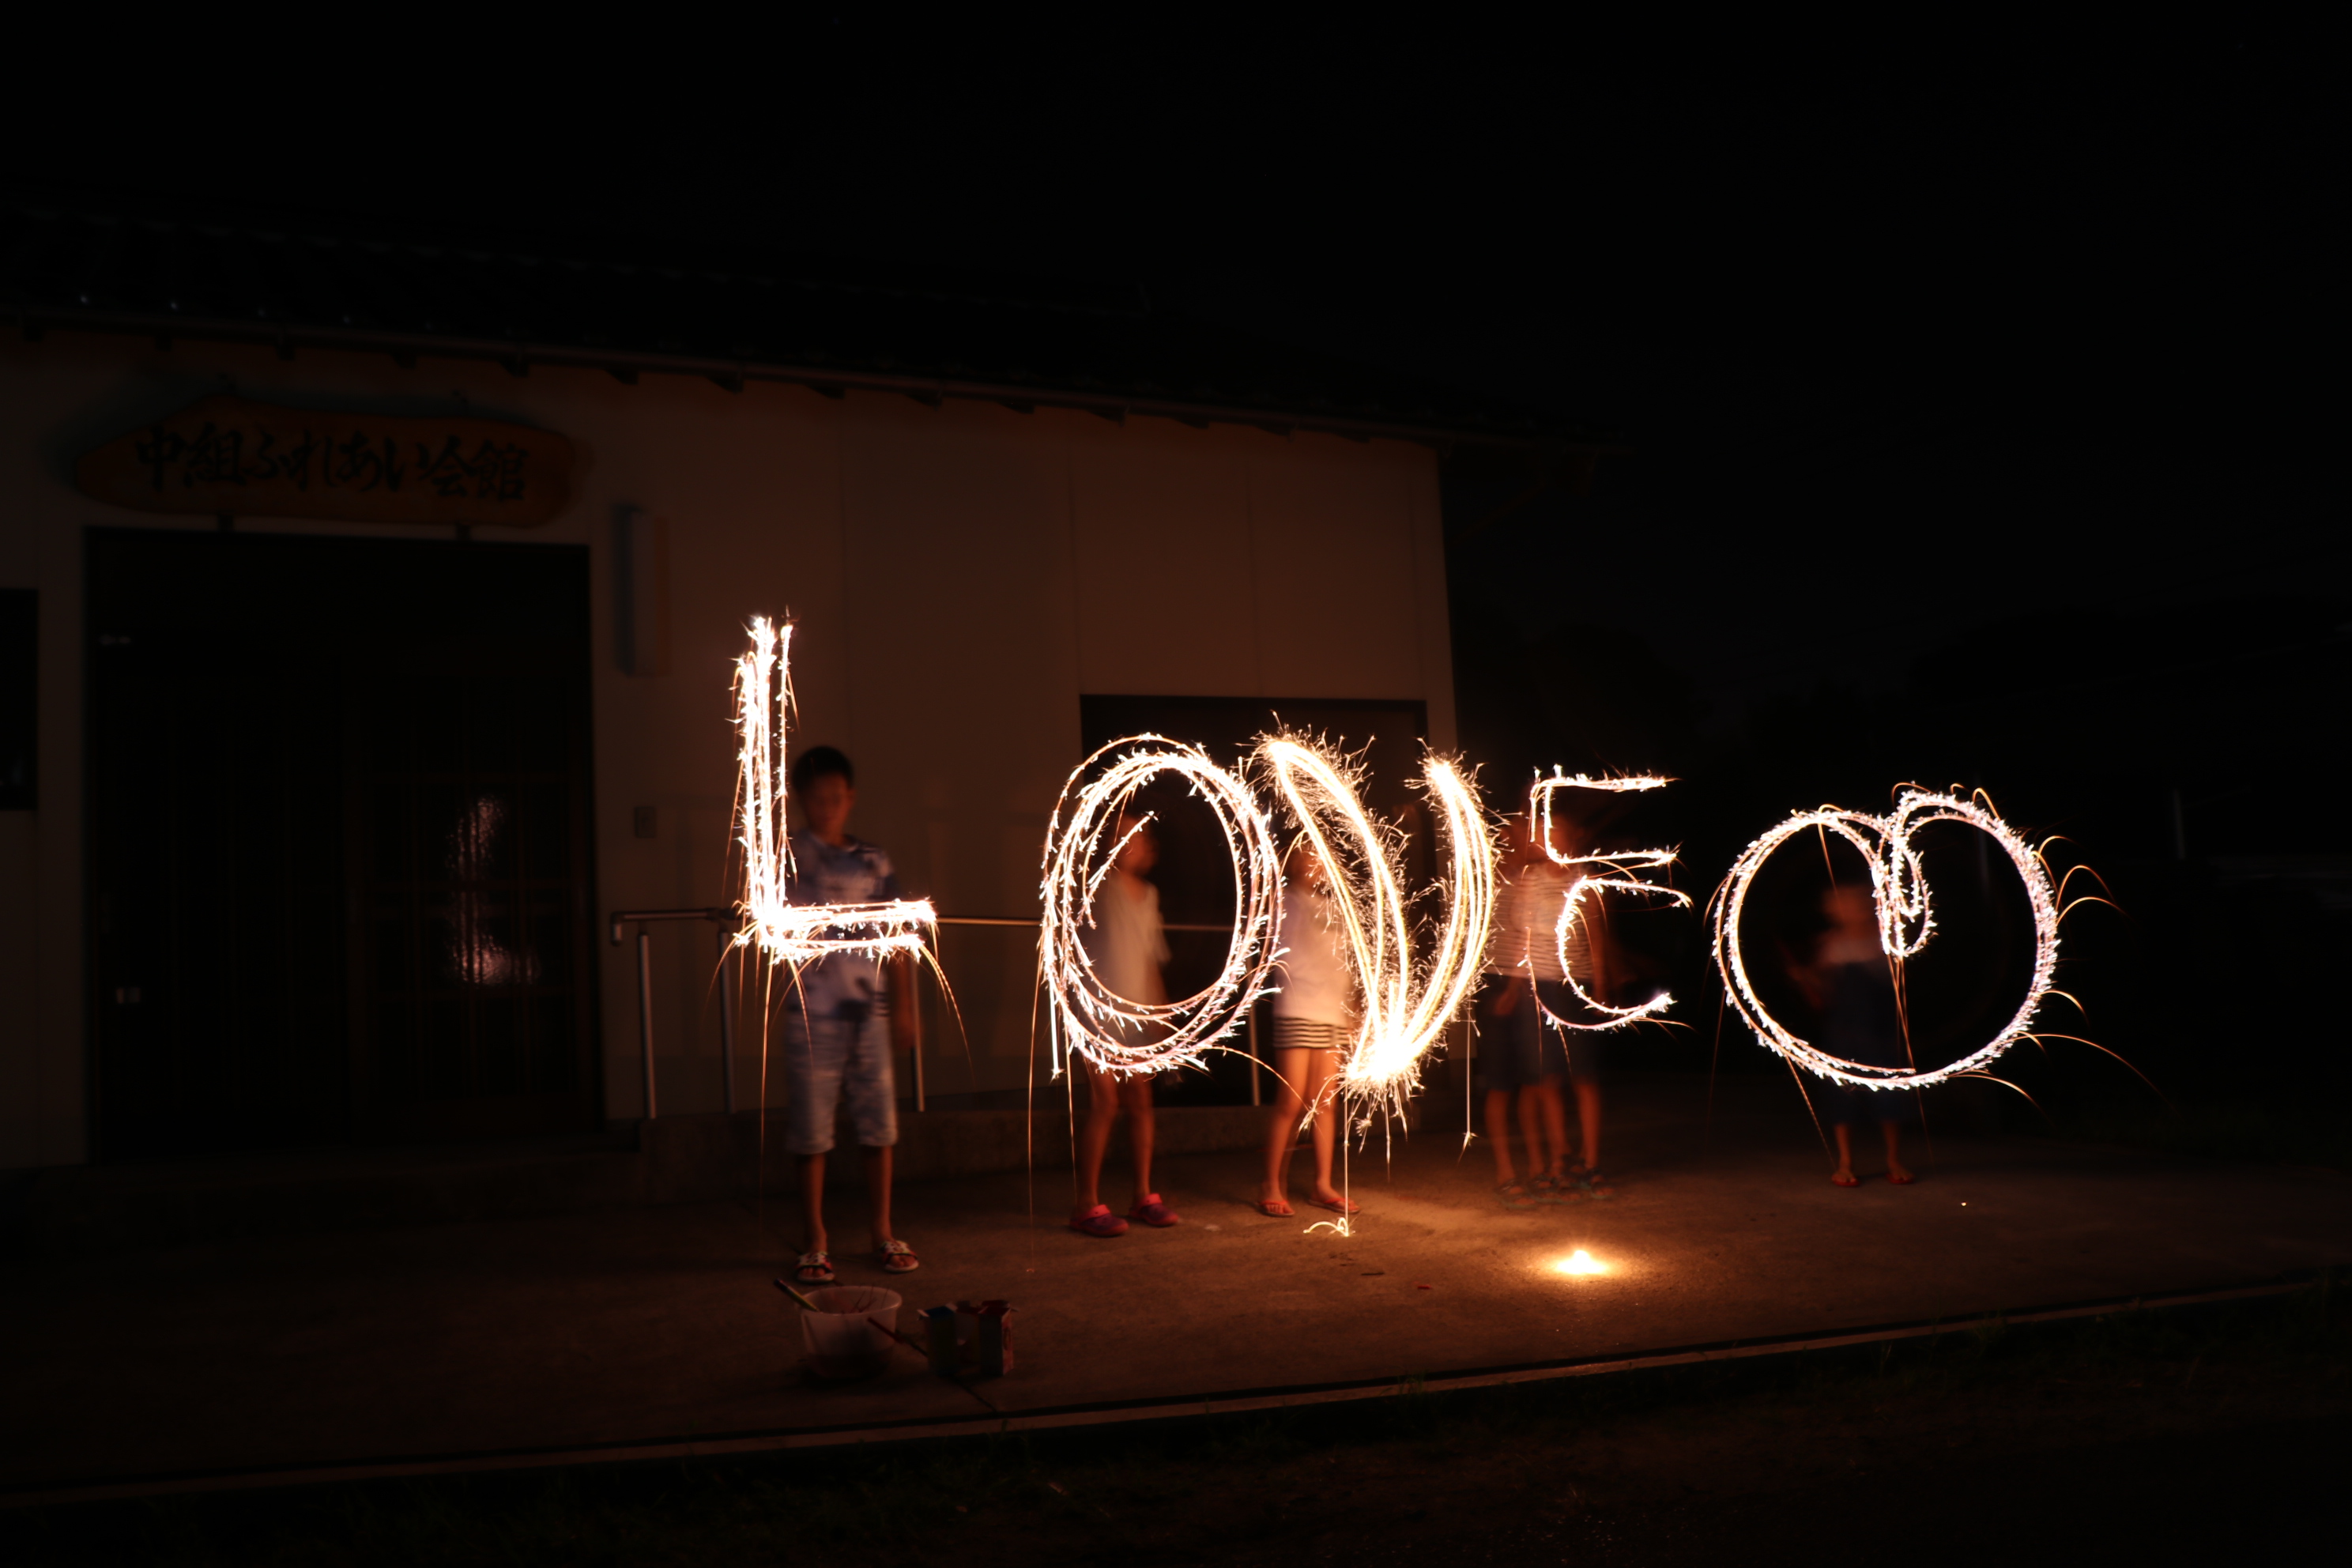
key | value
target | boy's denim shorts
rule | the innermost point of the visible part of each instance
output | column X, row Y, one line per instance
column 828, row 1057
column 1523, row 1048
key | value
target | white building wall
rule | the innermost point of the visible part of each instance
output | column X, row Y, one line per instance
column 960, row 575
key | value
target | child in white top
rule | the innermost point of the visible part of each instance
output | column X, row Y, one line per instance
column 1314, row 1017
column 1127, row 945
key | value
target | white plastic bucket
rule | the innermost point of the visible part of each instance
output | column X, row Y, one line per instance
column 842, row 1336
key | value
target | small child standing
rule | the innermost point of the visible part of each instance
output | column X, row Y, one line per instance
column 842, row 1024
column 1522, row 1054
column 1853, row 982
column 1314, row 1017
column 1125, row 944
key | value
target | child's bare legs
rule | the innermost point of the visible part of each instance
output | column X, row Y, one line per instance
column 1094, row 1138
column 1588, row 1122
column 1498, row 1134
column 1542, row 1106
column 1135, row 1092
column 1896, row 1170
column 1306, row 1078
column 813, row 1237
column 878, row 1197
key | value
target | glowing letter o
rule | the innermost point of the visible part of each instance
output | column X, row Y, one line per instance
column 1905, row 922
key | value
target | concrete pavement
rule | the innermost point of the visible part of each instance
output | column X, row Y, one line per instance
column 632, row 1325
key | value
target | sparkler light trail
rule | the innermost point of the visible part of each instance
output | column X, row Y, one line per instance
column 1408, row 1001
column 1122, row 1034
column 1620, row 874
column 789, row 933
column 1899, row 888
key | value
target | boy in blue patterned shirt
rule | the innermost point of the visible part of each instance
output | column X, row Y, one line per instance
column 845, row 1017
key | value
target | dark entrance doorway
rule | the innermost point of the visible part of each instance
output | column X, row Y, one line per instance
column 1195, row 874
column 338, row 852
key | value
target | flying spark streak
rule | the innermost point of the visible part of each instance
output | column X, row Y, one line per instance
column 1899, row 888
column 1408, row 1001
column 1124, row 1035
column 1618, row 872
column 786, row 933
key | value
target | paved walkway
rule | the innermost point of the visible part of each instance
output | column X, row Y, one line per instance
column 626, row 1326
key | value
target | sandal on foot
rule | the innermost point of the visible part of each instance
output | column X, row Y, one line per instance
column 1100, row 1221
column 1905, row 1180
column 1553, row 1190
column 1594, row 1184
column 1154, row 1213
column 1342, row 1207
column 814, row 1268
column 1514, row 1196
column 897, row 1257
column 1276, row 1208
column 1844, row 1179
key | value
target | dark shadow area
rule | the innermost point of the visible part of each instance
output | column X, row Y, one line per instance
column 340, row 868
column 2159, row 723
column 2206, row 1429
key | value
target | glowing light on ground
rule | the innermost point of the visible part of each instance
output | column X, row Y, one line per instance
column 785, row 932
column 1904, row 923
column 1619, row 872
column 1407, row 999
column 1581, row 1262
column 1122, row 1034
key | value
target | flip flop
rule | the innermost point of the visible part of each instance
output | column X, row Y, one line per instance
column 897, row 1257
column 1838, row 1179
column 1342, row 1207
column 814, row 1268
column 1904, row 1180
column 1276, row 1208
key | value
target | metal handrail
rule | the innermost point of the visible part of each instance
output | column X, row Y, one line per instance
column 1257, row 1090
column 726, row 917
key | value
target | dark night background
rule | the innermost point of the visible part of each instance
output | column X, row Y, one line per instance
column 1964, row 406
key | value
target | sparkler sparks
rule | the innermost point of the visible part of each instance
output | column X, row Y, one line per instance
column 1620, row 872
column 1899, row 888
column 1580, row 1262
column 1122, row 1034
column 789, row 933
column 1407, row 1000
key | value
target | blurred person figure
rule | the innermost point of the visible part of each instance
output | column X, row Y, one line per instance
column 1852, row 981
column 1314, row 1019
column 1530, row 1054
column 1588, row 962
column 842, row 1024
column 1127, row 946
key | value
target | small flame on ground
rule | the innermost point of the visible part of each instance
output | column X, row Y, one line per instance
column 1581, row 1262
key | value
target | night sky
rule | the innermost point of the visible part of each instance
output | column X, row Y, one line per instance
column 1943, row 332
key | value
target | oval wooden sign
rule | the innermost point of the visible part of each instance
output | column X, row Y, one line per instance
column 226, row 455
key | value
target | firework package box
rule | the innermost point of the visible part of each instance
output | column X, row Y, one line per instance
column 970, row 1338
